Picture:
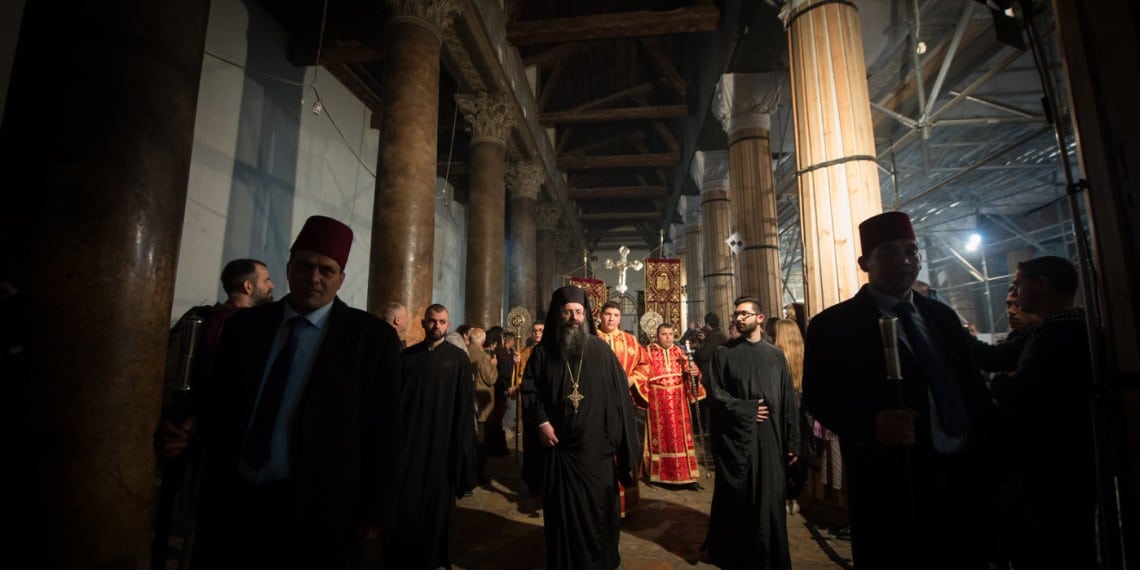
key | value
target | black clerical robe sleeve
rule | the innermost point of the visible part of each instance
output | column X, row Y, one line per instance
column 734, row 416
column 534, row 413
column 789, row 412
column 463, row 453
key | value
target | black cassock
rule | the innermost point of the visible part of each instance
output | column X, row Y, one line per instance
column 437, row 458
column 747, row 527
column 596, row 446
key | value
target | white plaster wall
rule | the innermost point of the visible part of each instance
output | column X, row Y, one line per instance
column 449, row 278
column 263, row 162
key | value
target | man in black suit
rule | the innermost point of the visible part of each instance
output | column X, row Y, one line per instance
column 301, row 422
column 911, row 448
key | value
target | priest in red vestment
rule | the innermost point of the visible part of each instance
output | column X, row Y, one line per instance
column 670, row 455
column 635, row 362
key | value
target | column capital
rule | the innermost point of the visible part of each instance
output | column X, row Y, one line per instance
column 489, row 117
column 524, row 180
column 710, row 169
column 747, row 100
column 434, row 16
column 546, row 215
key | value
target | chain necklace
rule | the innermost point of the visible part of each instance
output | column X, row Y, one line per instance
column 575, row 396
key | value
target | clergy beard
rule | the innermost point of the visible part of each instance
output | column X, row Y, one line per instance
column 572, row 341
column 745, row 329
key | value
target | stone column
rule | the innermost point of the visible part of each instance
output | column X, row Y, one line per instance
column 694, row 253
column 744, row 103
column 710, row 172
column 490, row 120
column 546, row 216
column 403, row 213
column 524, row 181
column 835, row 146
column 91, row 242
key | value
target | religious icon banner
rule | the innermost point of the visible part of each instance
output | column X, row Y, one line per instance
column 663, row 289
column 596, row 291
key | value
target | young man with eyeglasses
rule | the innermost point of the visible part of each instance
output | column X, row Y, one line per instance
column 912, row 448
column 754, row 432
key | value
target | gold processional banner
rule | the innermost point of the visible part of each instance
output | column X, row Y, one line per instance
column 663, row 290
column 596, row 291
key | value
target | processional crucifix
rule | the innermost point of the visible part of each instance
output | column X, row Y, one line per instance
column 622, row 265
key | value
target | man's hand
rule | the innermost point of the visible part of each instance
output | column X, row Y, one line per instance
column 516, row 356
column 895, row 427
column 512, row 391
column 792, row 459
column 171, row 440
column 494, row 359
column 546, row 435
column 762, row 411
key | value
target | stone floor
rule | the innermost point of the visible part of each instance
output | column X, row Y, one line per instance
column 491, row 530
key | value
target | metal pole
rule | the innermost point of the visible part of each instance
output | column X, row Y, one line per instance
column 986, row 281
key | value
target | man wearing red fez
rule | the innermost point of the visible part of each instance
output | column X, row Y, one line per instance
column 302, row 422
column 912, row 448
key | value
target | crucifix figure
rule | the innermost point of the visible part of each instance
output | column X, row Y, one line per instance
column 622, row 265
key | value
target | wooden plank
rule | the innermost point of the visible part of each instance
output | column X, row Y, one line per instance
column 551, row 82
column 619, row 216
column 619, row 161
column 619, row 193
column 547, row 58
column 626, row 137
column 701, row 18
column 657, row 55
column 620, row 114
column 629, row 92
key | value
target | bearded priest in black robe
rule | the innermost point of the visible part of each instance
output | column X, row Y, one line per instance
column 755, row 434
column 576, row 400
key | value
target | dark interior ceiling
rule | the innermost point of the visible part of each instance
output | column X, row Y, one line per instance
column 626, row 87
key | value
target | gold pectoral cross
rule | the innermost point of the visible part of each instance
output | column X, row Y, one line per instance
column 575, row 398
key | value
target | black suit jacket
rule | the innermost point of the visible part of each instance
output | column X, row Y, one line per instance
column 900, row 499
column 346, row 429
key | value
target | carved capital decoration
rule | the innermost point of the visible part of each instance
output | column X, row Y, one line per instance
column 524, row 180
column 489, row 117
column 546, row 216
column 710, row 169
column 466, row 68
column 747, row 100
column 432, row 15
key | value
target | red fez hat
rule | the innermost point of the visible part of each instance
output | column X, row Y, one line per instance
column 888, row 226
column 325, row 236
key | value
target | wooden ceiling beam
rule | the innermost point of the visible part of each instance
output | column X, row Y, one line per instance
column 619, row 216
column 619, row 161
column 619, row 114
column 553, row 55
column 619, row 193
column 657, row 55
column 626, row 137
column 551, row 82
column 700, row 18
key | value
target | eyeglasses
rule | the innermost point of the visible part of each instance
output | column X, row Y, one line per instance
column 743, row 315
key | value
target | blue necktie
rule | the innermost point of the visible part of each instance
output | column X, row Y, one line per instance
column 951, row 416
column 257, row 443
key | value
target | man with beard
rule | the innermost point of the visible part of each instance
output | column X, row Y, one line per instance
column 246, row 283
column 754, row 426
column 1045, row 405
column 576, row 398
column 302, row 423
column 912, row 448
column 439, row 453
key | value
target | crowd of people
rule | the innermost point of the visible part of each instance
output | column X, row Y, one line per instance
column 314, row 428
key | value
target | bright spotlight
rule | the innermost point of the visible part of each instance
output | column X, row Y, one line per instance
column 974, row 243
